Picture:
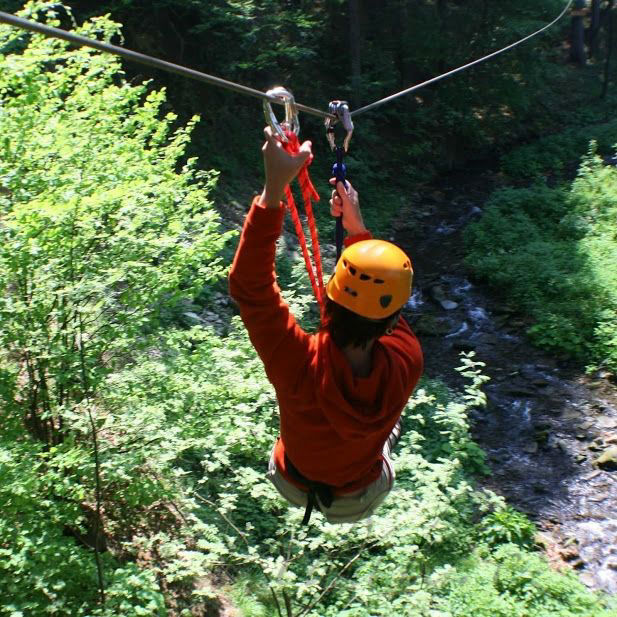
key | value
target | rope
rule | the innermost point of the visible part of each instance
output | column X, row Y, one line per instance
column 308, row 193
column 361, row 110
column 79, row 40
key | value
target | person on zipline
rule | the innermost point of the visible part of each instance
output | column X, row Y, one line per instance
column 341, row 390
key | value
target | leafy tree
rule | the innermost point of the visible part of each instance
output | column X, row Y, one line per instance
column 104, row 232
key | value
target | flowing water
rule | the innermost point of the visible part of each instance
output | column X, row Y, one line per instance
column 546, row 423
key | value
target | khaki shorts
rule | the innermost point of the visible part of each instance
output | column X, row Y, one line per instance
column 344, row 509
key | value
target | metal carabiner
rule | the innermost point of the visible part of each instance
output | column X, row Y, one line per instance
column 339, row 109
column 291, row 122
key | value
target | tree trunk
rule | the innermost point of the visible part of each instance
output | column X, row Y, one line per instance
column 355, row 51
column 610, row 44
column 577, row 36
column 442, row 12
column 595, row 28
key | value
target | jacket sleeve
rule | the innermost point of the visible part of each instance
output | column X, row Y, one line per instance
column 280, row 342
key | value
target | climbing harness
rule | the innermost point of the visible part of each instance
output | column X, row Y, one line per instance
column 325, row 492
column 339, row 114
column 288, row 134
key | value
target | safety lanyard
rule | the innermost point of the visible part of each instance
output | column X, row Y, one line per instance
column 287, row 133
column 315, row 272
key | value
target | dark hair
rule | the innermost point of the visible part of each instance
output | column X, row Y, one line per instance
column 350, row 329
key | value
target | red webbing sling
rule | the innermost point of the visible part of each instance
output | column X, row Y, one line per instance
column 308, row 194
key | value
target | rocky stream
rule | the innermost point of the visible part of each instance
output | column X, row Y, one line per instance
column 550, row 430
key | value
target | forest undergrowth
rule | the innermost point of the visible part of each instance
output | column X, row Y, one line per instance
column 133, row 448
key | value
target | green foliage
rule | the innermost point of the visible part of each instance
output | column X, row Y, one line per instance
column 512, row 582
column 102, row 236
column 554, row 156
column 507, row 526
column 106, row 231
column 552, row 253
column 395, row 563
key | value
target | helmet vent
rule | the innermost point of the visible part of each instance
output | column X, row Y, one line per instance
column 379, row 281
column 385, row 301
column 406, row 265
column 365, row 277
column 352, row 270
column 351, row 292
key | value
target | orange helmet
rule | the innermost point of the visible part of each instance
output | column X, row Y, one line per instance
column 372, row 279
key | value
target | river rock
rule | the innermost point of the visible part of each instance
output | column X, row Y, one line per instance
column 428, row 325
column 531, row 448
column 448, row 305
column 607, row 460
column 587, row 578
column 597, row 445
column 606, row 422
column 595, row 385
column 438, row 293
column 519, row 391
column 194, row 318
column 572, row 413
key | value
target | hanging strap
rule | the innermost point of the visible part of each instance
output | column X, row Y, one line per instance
column 315, row 489
column 308, row 194
column 339, row 171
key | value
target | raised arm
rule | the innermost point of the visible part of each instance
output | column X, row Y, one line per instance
column 280, row 342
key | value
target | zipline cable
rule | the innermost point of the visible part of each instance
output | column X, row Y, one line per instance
column 79, row 40
column 387, row 99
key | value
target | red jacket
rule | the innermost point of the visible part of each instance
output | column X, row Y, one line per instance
column 333, row 425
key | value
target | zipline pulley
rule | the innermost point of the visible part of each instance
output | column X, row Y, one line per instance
column 342, row 115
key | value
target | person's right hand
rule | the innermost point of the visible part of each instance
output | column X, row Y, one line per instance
column 345, row 203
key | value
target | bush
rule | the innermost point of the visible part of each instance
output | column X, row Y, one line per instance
column 552, row 253
column 554, row 156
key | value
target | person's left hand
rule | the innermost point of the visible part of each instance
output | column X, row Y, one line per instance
column 280, row 167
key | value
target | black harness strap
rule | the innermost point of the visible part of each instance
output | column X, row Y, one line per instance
column 325, row 492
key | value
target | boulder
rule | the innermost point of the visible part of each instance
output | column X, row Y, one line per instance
column 606, row 422
column 607, row 460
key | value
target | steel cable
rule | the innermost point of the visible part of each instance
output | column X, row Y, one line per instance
column 387, row 99
column 134, row 56
column 79, row 40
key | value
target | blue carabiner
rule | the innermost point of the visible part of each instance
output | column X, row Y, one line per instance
column 339, row 171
